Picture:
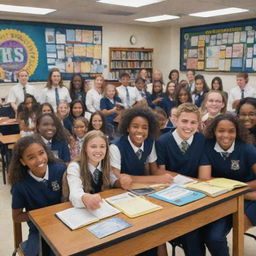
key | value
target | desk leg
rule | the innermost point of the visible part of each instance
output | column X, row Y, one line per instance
column 238, row 228
column 42, row 247
column 4, row 165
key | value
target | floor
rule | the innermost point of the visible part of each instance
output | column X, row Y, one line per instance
column 6, row 233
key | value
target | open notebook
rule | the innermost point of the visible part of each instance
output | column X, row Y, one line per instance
column 76, row 218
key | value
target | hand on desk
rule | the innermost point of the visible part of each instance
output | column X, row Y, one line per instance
column 164, row 178
column 92, row 201
column 125, row 181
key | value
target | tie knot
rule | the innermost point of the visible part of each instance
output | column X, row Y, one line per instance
column 184, row 146
column 225, row 155
column 139, row 153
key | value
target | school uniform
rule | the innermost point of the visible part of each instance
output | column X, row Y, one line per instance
column 171, row 154
column 68, row 124
column 147, row 96
column 108, row 104
column 198, row 98
column 123, row 155
column 92, row 101
column 168, row 104
column 76, row 186
column 59, row 148
column 34, row 193
column 235, row 163
column 161, row 103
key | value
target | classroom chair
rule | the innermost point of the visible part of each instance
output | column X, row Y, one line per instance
column 175, row 243
column 17, row 232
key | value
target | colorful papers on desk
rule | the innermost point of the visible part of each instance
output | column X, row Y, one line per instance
column 178, row 195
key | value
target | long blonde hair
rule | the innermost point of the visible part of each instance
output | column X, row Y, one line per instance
column 86, row 176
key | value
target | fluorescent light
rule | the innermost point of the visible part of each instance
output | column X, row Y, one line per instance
column 25, row 9
column 130, row 3
column 158, row 18
column 219, row 12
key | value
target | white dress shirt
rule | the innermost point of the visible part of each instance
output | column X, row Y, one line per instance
column 49, row 96
column 115, row 155
column 46, row 176
column 179, row 140
column 134, row 95
column 16, row 93
column 92, row 100
column 76, row 185
column 235, row 94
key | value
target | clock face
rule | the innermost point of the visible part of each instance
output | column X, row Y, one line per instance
column 133, row 39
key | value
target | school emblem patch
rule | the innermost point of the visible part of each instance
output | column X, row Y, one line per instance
column 235, row 165
column 55, row 185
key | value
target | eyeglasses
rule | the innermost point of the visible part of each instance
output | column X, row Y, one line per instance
column 250, row 115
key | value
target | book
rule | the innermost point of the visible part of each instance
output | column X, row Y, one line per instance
column 142, row 191
column 132, row 205
column 108, row 227
column 216, row 187
column 76, row 218
column 178, row 195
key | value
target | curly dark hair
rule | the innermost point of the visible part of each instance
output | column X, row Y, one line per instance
column 241, row 133
column 141, row 111
column 247, row 100
column 104, row 124
column 16, row 170
column 60, row 134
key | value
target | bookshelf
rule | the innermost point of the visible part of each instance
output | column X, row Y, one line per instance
column 130, row 60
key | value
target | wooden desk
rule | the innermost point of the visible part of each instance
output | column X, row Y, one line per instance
column 146, row 232
column 5, row 142
column 4, row 121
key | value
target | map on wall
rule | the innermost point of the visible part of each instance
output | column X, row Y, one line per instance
column 227, row 47
column 39, row 47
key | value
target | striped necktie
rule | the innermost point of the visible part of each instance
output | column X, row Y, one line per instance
column 57, row 97
column 139, row 153
column 97, row 174
column 127, row 97
column 184, row 146
column 242, row 93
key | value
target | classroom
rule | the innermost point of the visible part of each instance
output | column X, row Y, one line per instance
column 219, row 45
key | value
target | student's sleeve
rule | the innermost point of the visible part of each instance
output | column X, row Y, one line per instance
column 42, row 98
column 152, row 156
column 89, row 102
column 138, row 96
column 76, row 190
column 161, row 152
column 112, row 178
column 230, row 100
column 67, row 98
column 65, row 156
column 115, row 156
column 11, row 96
column 103, row 104
column 250, row 155
column 18, row 200
column 204, row 159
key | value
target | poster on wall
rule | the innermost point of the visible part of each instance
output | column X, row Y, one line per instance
column 39, row 47
column 223, row 47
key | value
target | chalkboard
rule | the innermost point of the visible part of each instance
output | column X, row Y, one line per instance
column 38, row 47
column 224, row 47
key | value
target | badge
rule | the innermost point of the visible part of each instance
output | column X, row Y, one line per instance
column 235, row 165
column 55, row 185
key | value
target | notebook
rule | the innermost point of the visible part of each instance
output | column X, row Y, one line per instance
column 216, row 186
column 132, row 205
column 178, row 195
column 76, row 218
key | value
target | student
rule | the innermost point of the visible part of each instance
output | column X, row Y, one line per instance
column 169, row 99
column 80, row 129
column 214, row 103
column 45, row 108
column 141, row 87
column 97, row 122
column 17, row 93
column 36, row 179
column 138, row 128
column 201, row 88
column 143, row 73
column 91, row 173
column 241, row 91
column 174, row 76
column 62, row 111
column 181, row 152
column 26, row 115
column 76, row 88
column 216, row 84
column 246, row 112
column 158, row 97
column 128, row 95
column 53, row 135
column 156, row 76
column 228, row 155
column 190, row 74
column 94, row 95
column 109, row 104
column 77, row 109
column 55, row 91
column 172, row 118
column 162, row 120
column 182, row 95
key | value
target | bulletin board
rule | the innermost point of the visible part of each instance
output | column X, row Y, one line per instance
column 39, row 47
column 224, row 47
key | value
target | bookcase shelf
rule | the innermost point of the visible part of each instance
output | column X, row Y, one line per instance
column 130, row 60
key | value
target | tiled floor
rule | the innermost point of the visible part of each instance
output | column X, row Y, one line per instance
column 6, row 232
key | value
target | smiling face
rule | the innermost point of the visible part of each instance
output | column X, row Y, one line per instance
column 63, row 109
column 140, row 85
column 46, row 127
column 98, row 82
column 190, row 76
column 23, row 77
column 174, row 76
column 96, row 150
column 46, row 109
column 157, row 87
column 241, row 82
column 77, row 109
column 187, row 124
column 55, row 77
column 225, row 134
column 77, row 83
column 214, row 103
column 138, row 130
column 216, row 85
column 171, row 88
column 183, row 96
column 247, row 115
column 29, row 103
column 110, row 92
column 80, row 128
column 97, row 122
column 199, row 85
column 35, row 158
